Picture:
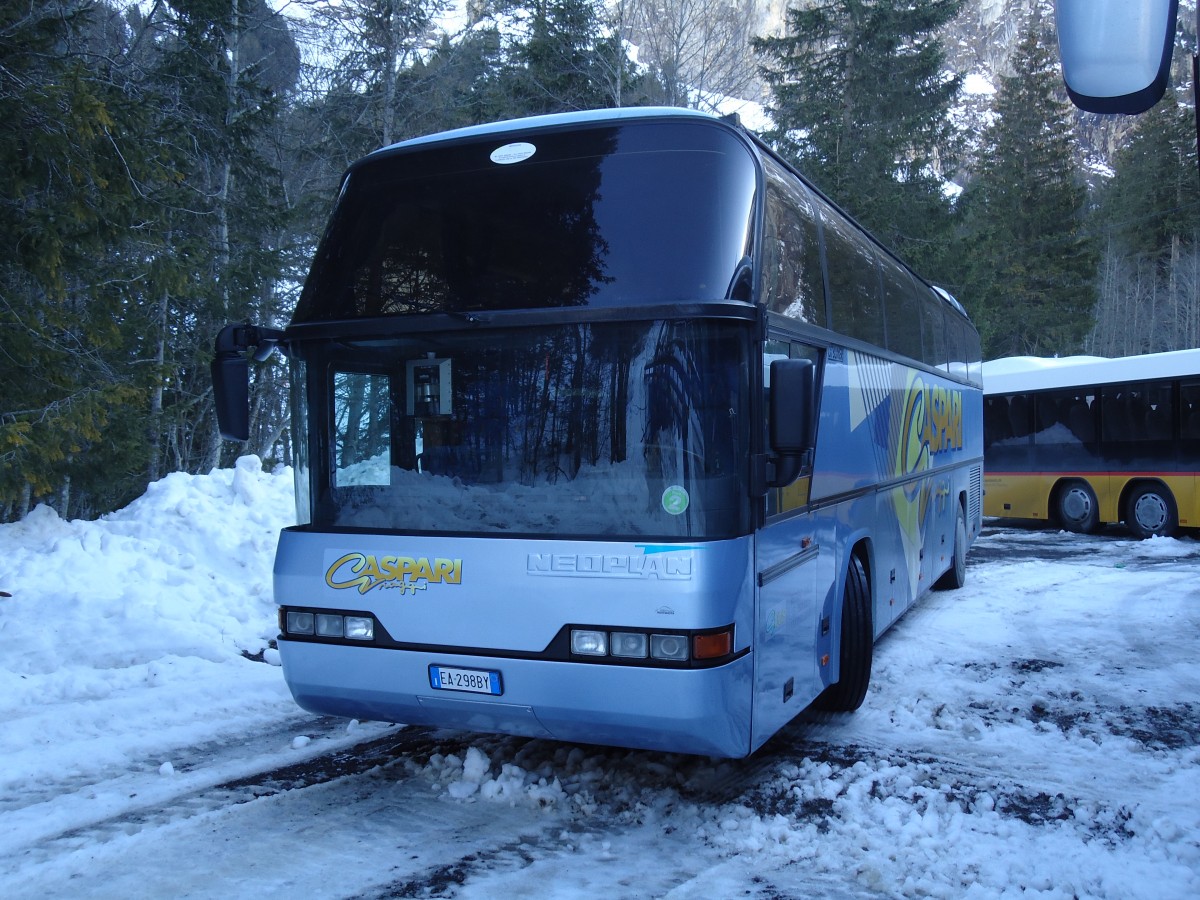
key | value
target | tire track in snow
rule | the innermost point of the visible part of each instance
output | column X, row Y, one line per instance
column 209, row 788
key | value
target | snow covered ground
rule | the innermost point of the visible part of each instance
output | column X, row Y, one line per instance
column 1036, row 733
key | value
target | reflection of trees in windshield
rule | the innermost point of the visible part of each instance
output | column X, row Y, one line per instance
column 691, row 398
column 579, row 428
column 537, row 412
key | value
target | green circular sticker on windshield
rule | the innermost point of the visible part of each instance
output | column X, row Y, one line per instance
column 675, row 499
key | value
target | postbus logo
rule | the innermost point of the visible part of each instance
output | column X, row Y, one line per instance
column 407, row 574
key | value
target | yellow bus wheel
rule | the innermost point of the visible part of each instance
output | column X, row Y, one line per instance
column 1151, row 511
column 1076, row 507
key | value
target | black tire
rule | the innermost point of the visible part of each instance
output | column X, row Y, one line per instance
column 858, row 641
column 956, row 576
column 1150, row 511
column 1076, row 507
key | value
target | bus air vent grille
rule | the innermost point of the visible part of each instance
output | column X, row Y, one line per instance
column 975, row 494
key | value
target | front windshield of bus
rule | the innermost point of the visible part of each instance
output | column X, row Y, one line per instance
column 617, row 430
column 624, row 214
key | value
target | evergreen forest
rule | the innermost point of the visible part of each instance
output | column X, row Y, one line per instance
column 168, row 166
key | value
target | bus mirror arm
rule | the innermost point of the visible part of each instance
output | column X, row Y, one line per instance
column 791, row 417
column 231, row 374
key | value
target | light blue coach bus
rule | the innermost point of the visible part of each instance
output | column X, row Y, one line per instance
column 609, row 428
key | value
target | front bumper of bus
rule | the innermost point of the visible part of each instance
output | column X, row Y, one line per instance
column 700, row 711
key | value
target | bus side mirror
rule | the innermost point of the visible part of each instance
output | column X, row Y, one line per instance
column 231, row 386
column 792, row 417
column 1116, row 54
column 231, row 375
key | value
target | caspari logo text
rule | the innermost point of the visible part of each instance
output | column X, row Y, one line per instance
column 403, row 573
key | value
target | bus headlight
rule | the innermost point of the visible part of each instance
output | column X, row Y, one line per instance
column 669, row 646
column 329, row 626
column 629, row 643
column 589, row 643
column 360, row 628
column 299, row 622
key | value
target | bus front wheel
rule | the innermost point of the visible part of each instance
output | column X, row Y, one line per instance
column 1077, row 507
column 1151, row 512
column 858, row 639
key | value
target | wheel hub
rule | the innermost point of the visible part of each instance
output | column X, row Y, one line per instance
column 1077, row 505
column 1151, row 513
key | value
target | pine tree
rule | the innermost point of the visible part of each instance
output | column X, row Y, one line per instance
column 567, row 61
column 860, row 99
column 1149, row 224
column 375, row 42
column 1154, row 195
column 1028, row 265
column 69, row 203
column 215, row 255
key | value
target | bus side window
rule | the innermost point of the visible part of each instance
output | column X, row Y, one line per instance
column 933, row 327
column 996, row 426
column 1189, row 411
column 854, row 286
column 1114, row 419
column 902, row 304
column 1018, row 415
column 1138, row 413
column 1081, row 418
column 1063, row 418
column 791, row 270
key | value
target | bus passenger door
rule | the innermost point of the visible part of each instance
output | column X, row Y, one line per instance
column 787, row 609
column 787, row 617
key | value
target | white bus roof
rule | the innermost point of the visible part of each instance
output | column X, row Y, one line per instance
column 555, row 119
column 1018, row 374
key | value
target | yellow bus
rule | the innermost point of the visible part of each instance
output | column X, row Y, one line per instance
column 1085, row 441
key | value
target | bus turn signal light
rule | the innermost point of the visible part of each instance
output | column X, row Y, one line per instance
column 712, row 646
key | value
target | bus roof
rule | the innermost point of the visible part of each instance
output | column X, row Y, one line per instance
column 554, row 120
column 1018, row 374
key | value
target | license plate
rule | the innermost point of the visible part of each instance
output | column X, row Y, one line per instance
column 473, row 681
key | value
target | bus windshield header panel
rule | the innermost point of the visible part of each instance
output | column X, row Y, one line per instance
column 607, row 215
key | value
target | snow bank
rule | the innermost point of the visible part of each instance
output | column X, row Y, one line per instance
column 131, row 635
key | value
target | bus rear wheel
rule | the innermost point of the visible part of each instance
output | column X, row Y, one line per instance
column 956, row 576
column 858, row 640
column 1151, row 512
column 1076, row 507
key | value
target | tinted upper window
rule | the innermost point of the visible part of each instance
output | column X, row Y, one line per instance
column 613, row 215
column 791, row 266
column 854, row 287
